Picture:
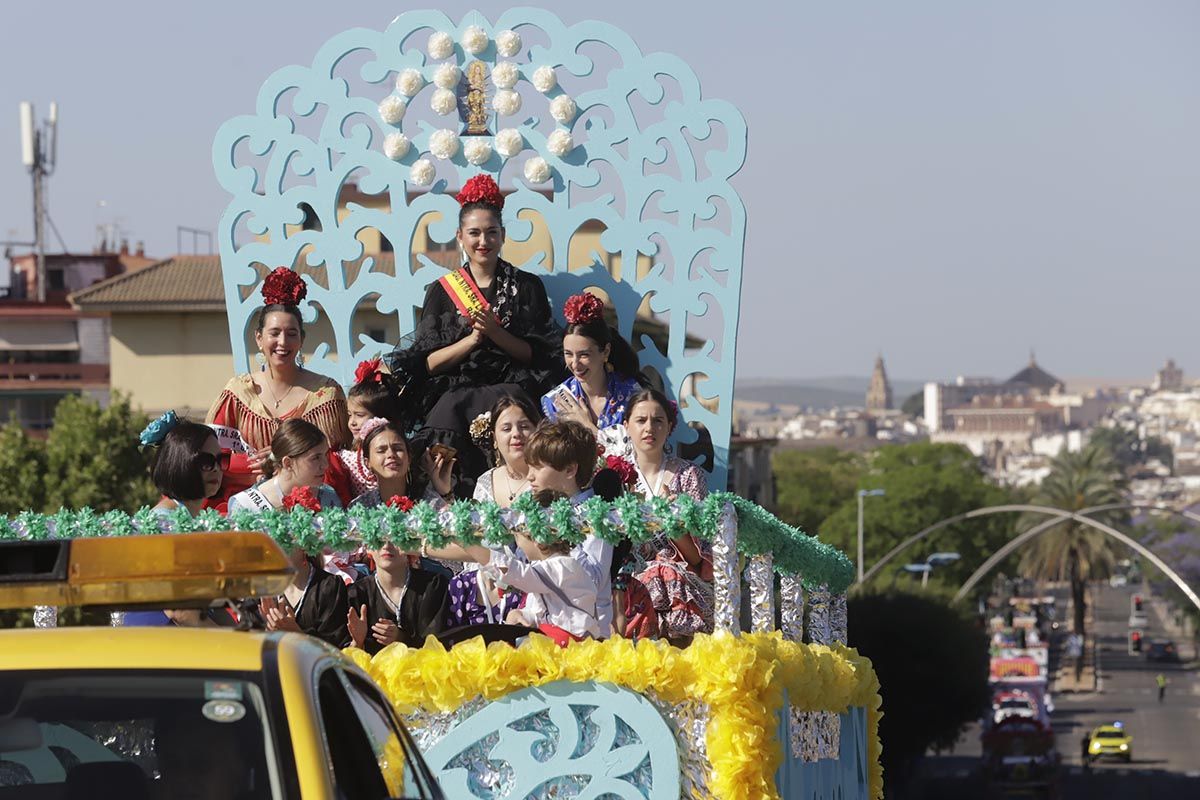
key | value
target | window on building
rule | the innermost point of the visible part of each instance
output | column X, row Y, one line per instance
column 56, row 280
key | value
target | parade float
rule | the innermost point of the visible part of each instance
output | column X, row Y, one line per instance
column 617, row 173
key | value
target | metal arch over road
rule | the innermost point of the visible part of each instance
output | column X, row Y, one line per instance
column 1038, row 530
column 979, row 512
column 1061, row 515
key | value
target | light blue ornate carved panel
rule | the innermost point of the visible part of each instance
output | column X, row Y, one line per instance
column 625, row 142
column 841, row 778
column 560, row 740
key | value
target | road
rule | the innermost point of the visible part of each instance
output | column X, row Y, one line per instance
column 1166, row 762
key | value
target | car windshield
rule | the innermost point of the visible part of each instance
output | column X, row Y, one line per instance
column 1015, row 704
column 139, row 733
column 1110, row 735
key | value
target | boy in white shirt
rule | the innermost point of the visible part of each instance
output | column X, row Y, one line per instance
column 560, row 596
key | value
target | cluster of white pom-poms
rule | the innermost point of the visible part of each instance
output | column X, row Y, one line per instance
column 445, row 144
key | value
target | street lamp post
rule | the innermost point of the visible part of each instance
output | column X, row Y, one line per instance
column 861, row 494
column 927, row 566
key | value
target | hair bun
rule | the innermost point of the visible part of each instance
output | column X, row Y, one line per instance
column 583, row 308
column 481, row 189
column 283, row 287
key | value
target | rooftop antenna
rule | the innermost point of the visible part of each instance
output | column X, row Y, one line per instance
column 39, row 149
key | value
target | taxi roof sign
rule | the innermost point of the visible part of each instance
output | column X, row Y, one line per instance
column 149, row 571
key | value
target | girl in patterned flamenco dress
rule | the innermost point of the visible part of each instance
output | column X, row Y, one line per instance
column 253, row 405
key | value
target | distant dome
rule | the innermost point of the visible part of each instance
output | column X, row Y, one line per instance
column 1035, row 377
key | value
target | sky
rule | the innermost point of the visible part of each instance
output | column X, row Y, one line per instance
column 950, row 184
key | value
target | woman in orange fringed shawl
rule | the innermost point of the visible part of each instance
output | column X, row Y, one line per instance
column 256, row 403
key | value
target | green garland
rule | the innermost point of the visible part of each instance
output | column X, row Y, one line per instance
column 464, row 522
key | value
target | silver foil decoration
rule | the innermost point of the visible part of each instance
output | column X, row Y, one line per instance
column 838, row 619
column 760, row 574
column 791, row 607
column 689, row 721
column 818, row 616
column 428, row 727
column 727, row 590
column 822, row 729
column 116, row 619
column 45, row 617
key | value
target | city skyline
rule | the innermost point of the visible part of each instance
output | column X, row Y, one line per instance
column 948, row 184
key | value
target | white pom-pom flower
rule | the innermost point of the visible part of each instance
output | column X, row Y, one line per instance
column 409, row 82
column 477, row 150
column 509, row 142
column 440, row 45
column 560, row 142
column 508, row 43
column 545, row 79
column 537, row 170
column 443, row 101
column 563, row 109
column 422, row 172
column 505, row 75
column 474, row 40
column 396, row 146
column 506, row 102
column 392, row 109
column 443, row 144
column 447, row 76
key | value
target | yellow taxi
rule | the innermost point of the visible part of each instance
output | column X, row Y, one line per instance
column 170, row 712
column 1110, row 741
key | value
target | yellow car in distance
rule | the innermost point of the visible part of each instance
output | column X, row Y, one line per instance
column 181, row 713
column 1110, row 741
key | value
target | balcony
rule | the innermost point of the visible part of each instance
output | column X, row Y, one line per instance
column 24, row 376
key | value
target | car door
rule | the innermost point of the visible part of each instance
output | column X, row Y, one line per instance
column 371, row 754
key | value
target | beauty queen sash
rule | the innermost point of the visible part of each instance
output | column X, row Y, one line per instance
column 461, row 288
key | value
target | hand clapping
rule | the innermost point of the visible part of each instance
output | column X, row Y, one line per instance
column 279, row 615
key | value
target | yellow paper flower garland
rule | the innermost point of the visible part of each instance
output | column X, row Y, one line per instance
column 741, row 679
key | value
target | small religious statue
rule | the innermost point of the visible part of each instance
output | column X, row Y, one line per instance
column 473, row 105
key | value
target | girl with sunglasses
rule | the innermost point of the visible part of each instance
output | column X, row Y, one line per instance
column 186, row 466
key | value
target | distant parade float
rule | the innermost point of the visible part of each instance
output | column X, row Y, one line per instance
column 582, row 132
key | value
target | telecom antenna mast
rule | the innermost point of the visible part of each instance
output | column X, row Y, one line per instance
column 39, row 149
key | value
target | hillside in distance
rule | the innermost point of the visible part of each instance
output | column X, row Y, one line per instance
column 818, row 393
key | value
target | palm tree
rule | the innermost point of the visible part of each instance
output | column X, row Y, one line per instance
column 1069, row 550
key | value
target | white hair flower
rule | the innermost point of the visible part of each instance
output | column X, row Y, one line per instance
column 443, row 144
column 506, row 102
column 508, row 43
column 537, row 170
column 409, row 82
column 422, row 172
column 477, row 150
column 443, row 101
column 392, row 109
column 505, row 75
column 396, row 146
column 440, row 45
column 560, row 142
column 509, row 142
column 447, row 76
column 545, row 79
column 563, row 109
column 474, row 40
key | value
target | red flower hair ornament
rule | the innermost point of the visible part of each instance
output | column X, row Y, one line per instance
column 625, row 470
column 402, row 502
column 481, row 189
column 304, row 497
column 368, row 371
column 583, row 308
column 283, row 287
